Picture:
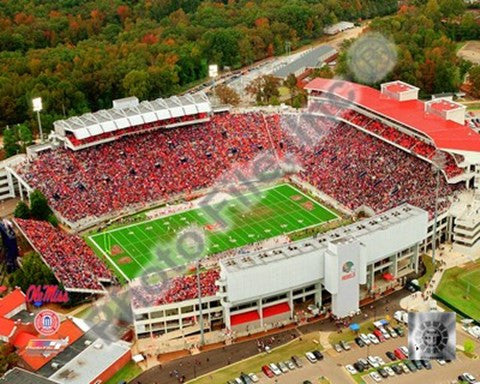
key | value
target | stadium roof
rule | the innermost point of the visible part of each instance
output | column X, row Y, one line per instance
column 20, row 376
column 104, row 121
column 445, row 134
column 307, row 59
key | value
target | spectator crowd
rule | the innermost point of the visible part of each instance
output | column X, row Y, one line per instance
column 71, row 260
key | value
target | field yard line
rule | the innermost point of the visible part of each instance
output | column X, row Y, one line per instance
column 131, row 244
column 186, row 210
column 315, row 202
column 111, row 261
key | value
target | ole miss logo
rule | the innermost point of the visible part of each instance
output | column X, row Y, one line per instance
column 47, row 322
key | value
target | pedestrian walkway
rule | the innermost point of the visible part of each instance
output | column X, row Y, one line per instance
column 447, row 258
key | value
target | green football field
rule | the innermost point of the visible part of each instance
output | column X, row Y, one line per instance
column 461, row 288
column 250, row 218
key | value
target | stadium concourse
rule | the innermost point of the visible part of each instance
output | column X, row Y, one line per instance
column 356, row 152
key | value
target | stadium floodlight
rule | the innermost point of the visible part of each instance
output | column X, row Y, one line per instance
column 438, row 162
column 37, row 107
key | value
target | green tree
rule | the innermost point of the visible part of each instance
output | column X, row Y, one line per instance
column 22, row 211
column 227, row 95
column 24, row 137
column 33, row 271
column 10, row 142
column 469, row 346
column 474, row 80
column 137, row 83
column 39, row 206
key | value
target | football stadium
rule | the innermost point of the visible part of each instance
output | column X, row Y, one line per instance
column 342, row 224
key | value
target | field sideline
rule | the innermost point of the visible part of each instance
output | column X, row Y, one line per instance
column 275, row 211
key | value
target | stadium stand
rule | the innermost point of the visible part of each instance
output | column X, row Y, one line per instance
column 175, row 290
column 73, row 263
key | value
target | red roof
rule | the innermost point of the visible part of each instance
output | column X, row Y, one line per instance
column 443, row 105
column 67, row 329
column 6, row 326
column 398, row 87
column 446, row 134
column 22, row 339
column 13, row 300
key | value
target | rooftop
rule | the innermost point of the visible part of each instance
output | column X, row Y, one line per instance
column 399, row 86
column 445, row 134
column 11, row 301
column 444, row 105
column 20, row 376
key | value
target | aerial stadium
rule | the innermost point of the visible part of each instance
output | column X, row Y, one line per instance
column 343, row 221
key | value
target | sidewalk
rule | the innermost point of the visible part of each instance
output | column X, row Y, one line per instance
column 446, row 259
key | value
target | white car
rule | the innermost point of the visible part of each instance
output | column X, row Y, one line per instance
column 372, row 360
column 441, row 362
column 238, row 380
column 373, row 338
column 276, row 371
column 404, row 368
column 311, row 357
column 400, row 316
column 253, row 377
column 392, row 332
column 389, row 371
column 365, row 338
column 469, row 378
column 283, row 367
column 380, row 361
column 404, row 349
column 375, row 376
column 289, row 364
column 350, row 369
column 384, row 333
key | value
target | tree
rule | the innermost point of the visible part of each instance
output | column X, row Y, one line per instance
column 39, row 206
column 469, row 346
column 227, row 95
column 324, row 72
column 10, row 142
column 264, row 89
column 24, row 137
column 33, row 271
column 474, row 80
column 291, row 83
column 22, row 211
column 137, row 83
column 8, row 357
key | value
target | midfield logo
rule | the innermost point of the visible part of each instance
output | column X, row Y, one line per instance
column 43, row 294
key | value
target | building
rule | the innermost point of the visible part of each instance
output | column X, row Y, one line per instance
column 338, row 27
column 339, row 269
column 20, row 376
column 94, row 365
column 10, row 306
column 312, row 58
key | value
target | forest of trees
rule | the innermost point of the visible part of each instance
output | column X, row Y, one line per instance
column 426, row 53
column 78, row 55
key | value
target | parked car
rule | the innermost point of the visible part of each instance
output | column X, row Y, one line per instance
column 389, row 371
column 365, row 339
column 375, row 376
column 373, row 338
column 397, row 369
column 391, row 331
column 359, row 342
column 379, row 335
column 391, row 355
column 426, row 364
column 410, row 366
column 404, row 367
column 338, row 348
column 253, row 377
column 276, row 371
column 399, row 354
column 363, row 362
column 282, row 367
column 418, row 364
column 289, row 364
column 382, row 372
column 358, row 366
column 267, row 371
column 246, row 379
column 385, row 334
column 373, row 361
column 351, row 369
column 468, row 377
column 441, row 362
column 404, row 349
column 399, row 331
column 311, row 357
column 345, row 345
column 297, row 361
column 380, row 360
column 318, row 355
column 238, row 380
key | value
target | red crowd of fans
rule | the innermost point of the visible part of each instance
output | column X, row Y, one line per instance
column 145, row 167
column 351, row 166
column 178, row 289
column 73, row 263
column 357, row 169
